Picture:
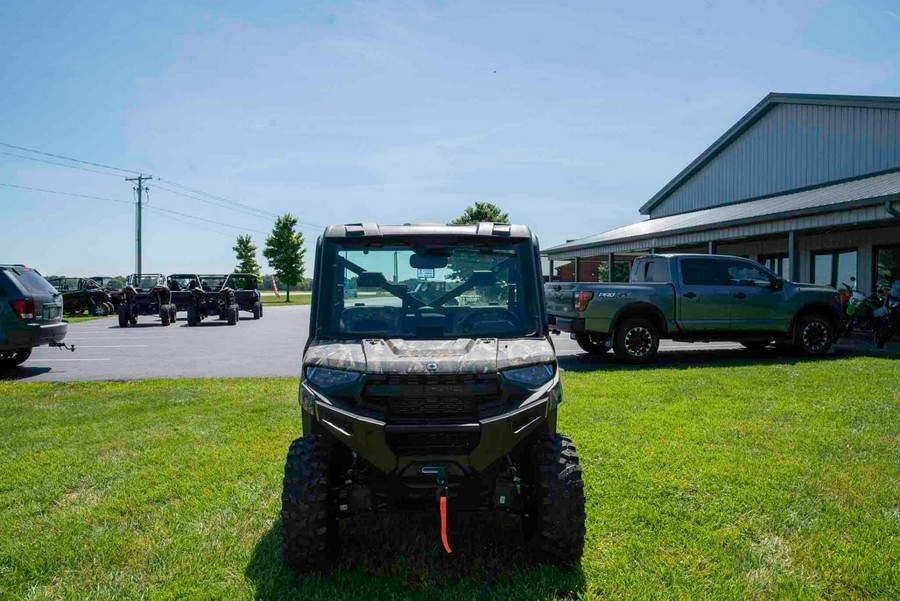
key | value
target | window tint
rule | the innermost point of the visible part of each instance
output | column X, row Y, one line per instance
column 31, row 280
column 651, row 270
column 703, row 272
column 741, row 273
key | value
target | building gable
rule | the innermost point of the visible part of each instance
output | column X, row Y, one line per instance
column 787, row 142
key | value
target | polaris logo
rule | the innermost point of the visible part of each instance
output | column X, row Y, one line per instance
column 431, row 367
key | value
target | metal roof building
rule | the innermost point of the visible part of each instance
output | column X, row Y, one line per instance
column 803, row 183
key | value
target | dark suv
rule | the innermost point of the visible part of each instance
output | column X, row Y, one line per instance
column 30, row 314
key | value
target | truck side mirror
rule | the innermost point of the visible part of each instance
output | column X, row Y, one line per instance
column 777, row 284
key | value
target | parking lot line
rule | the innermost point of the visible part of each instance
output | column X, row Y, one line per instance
column 39, row 360
column 112, row 346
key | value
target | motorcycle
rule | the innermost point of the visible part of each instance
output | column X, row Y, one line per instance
column 889, row 324
column 863, row 312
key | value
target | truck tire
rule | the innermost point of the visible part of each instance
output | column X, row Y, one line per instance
column 123, row 315
column 755, row 345
column 164, row 315
column 257, row 310
column 555, row 522
column 636, row 340
column 232, row 315
column 813, row 335
column 14, row 358
column 307, row 524
column 592, row 343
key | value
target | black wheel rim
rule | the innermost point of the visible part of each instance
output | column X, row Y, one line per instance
column 638, row 341
column 815, row 336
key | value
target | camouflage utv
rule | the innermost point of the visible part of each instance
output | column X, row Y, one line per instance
column 433, row 385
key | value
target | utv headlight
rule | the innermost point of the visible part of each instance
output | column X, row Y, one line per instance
column 324, row 377
column 533, row 375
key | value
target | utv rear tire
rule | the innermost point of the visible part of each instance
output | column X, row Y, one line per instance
column 173, row 313
column 192, row 318
column 555, row 523
column 636, row 340
column 14, row 358
column 257, row 310
column 591, row 343
column 813, row 335
column 307, row 526
column 164, row 315
column 123, row 315
column 132, row 321
column 232, row 315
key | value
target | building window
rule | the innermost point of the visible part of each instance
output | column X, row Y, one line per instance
column 833, row 268
column 778, row 263
column 887, row 264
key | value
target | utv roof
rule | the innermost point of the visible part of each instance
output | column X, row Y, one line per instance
column 476, row 230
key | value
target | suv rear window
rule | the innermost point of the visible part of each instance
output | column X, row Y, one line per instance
column 31, row 280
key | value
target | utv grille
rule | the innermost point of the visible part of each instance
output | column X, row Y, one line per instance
column 433, row 443
column 407, row 398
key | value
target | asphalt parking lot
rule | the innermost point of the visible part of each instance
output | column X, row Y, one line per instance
column 269, row 347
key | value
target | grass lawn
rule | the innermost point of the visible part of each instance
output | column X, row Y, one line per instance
column 734, row 481
column 296, row 299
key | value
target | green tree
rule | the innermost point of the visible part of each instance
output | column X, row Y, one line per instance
column 481, row 211
column 246, row 256
column 284, row 251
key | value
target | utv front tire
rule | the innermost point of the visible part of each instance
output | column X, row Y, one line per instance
column 636, row 340
column 307, row 526
column 123, row 315
column 164, row 315
column 192, row 317
column 232, row 315
column 591, row 343
column 555, row 522
column 257, row 310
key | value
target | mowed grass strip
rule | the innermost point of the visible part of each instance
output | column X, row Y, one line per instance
column 737, row 481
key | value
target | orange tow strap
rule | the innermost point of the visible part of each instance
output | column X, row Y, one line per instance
column 444, row 524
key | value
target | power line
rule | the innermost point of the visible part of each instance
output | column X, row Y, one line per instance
column 209, row 202
column 192, row 224
column 59, row 156
column 19, row 156
column 219, row 198
column 128, row 202
column 237, row 227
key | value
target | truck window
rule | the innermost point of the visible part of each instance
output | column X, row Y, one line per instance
column 704, row 272
column 741, row 273
column 651, row 270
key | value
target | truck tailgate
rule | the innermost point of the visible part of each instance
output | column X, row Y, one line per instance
column 559, row 299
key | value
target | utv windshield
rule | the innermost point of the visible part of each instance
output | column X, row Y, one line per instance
column 241, row 282
column 443, row 291
column 212, row 283
column 146, row 280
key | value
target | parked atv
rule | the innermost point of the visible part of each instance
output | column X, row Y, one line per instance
column 447, row 403
column 146, row 294
column 246, row 292
column 83, row 295
column 205, row 303
column 889, row 324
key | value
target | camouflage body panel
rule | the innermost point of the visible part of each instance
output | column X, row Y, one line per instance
column 398, row 356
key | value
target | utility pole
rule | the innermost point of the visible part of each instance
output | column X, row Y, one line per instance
column 140, row 179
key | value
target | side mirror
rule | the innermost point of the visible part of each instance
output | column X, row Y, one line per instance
column 777, row 284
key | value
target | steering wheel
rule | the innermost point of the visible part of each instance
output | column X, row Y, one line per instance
column 469, row 321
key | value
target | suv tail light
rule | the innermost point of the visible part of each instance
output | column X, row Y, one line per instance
column 582, row 299
column 23, row 307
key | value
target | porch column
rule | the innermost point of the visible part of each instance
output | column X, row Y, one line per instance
column 577, row 269
column 550, row 275
column 711, row 248
column 612, row 261
column 793, row 257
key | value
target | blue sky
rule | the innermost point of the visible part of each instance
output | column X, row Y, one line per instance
column 568, row 115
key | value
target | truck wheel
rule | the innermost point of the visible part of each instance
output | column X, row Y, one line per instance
column 555, row 522
column 813, row 335
column 307, row 526
column 257, row 310
column 591, row 343
column 755, row 345
column 123, row 315
column 14, row 358
column 636, row 340
column 232, row 315
column 164, row 315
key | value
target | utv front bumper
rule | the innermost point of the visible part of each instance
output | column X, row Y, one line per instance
column 470, row 446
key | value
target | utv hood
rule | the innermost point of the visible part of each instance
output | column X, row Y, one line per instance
column 397, row 356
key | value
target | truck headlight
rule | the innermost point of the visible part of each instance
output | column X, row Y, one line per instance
column 325, row 377
column 533, row 375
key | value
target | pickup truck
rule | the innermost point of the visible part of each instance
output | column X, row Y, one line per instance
column 694, row 298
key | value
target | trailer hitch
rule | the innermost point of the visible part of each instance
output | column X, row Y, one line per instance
column 63, row 345
column 442, row 493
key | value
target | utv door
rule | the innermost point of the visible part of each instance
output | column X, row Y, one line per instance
column 705, row 301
